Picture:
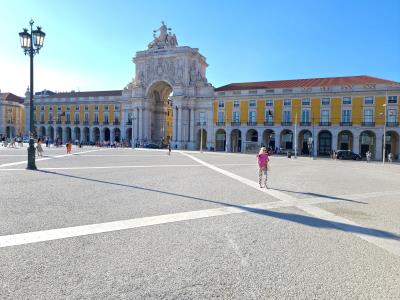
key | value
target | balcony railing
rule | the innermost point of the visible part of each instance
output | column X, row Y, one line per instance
column 58, row 122
column 50, row 122
column 251, row 123
column 199, row 124
column 41, row 122
column 305, row 123
column 286, row 123
column 128, row 123
column 220, row 123
column 116, row 122
column 96, row 123
column 105, row 122
column 346, row 123
column 236, row 123
column 76, row 122
column 268, row 123
column 392, row 124
column 67, row 122
column 368, row 124
column 85, row 122
column 325, row 123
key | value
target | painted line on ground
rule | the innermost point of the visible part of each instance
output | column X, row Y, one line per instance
column 75, row 231
column 47, row 158
column 124, row 167
column 392, row 246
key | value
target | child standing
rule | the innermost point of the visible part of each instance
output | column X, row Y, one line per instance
column 263, row 159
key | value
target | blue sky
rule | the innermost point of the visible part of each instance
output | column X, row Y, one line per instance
column 89, row 44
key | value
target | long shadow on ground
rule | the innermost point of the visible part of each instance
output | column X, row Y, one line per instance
column 296, row 218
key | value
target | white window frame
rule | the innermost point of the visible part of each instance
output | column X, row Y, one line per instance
column 285, row 114
column 392, row 100
column 372, row 115
column 221, row 116
column 287, row 102
column 346, row 118
column 346, row 98
column 369, row 98
column 252, row 103
column 236, row 103
column 236, row 116
column 325, row 101
column 221, row 104
column 305, row 112
column 269, row 102
column 307, row 100
column 252, row 116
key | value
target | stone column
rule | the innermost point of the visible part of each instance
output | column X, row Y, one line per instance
column 192, row 124
column 112, row 135
column 277, row 139
column 179, row 137
column 378, row 144
column 101, row 134
column 335, row 141
column 73, row 136
column 210, row 129
column 140, row 123
column 64, row 137
column 356, row 143
column 260, row 137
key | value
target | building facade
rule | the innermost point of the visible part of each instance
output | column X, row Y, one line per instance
column 170, row 100
column 11, row 115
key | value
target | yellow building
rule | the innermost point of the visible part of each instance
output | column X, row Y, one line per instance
column 11, row 115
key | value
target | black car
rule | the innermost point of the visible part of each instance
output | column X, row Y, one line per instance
column 347, row 154
column 151, row 146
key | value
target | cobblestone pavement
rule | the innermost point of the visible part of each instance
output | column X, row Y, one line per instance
column 139, row 224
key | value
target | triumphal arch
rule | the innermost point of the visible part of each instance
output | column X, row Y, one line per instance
column 168, row 92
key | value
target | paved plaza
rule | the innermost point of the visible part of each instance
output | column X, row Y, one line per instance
column 139, row 224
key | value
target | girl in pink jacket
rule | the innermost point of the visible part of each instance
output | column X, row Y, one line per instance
column 263, row 159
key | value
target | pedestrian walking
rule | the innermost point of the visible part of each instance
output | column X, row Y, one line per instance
column 39, row 148
column 169, row 148
column 368, row 155
column 390, row 157
column 69, row 147
column 262, row 159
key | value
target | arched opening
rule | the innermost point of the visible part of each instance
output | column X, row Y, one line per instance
column 77, row 133
column 161, row 113
column 236, row 140
column 128, row 135
column 59, row 135
column 86, row 135
column 50, row 133
column 269, row 138
column 345, row 140
column 200, row 137
column 251, row 144
column 220, row 140
column 324, row 143
column 106, row 134
column 42, row 133
column 392, row 144
column 367, row 143
column 117, row 135
column 305, row 142
column 96, row 135
column 287, row 140
column 68, row 134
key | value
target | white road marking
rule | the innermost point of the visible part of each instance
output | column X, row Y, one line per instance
column 122, row 167
column 46, row 158
column 390, row 245
column 76, row 231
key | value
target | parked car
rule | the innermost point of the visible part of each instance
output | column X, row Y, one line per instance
column 347, row 154
column 151, row 146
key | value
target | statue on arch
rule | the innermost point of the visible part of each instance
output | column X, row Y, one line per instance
column 164, row 40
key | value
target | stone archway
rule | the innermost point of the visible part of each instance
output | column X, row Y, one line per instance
column 107, row 134
column 269, row 138
column 86, row 135
column 287, row 140
column 220, row 140
column 236, row 140
column 117, row 135
column 345, row 140
column 59, row 135
column 68, row 134
column 324, row 142
column 200, row 137
column 96, row 135
column 367, row 143
column 42, row 133
column 77, row 134
column 392, row 144
column 305, row 142
column 158, row 96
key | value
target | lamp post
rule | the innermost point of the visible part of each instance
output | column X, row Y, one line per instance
column 31, row 42
column 10, row 122
column 384, row 134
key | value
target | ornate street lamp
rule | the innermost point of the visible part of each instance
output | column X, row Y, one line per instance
column 31, row 48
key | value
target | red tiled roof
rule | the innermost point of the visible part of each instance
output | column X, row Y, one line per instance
column 311, row 82
column 11, row 97
column 85, row 94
